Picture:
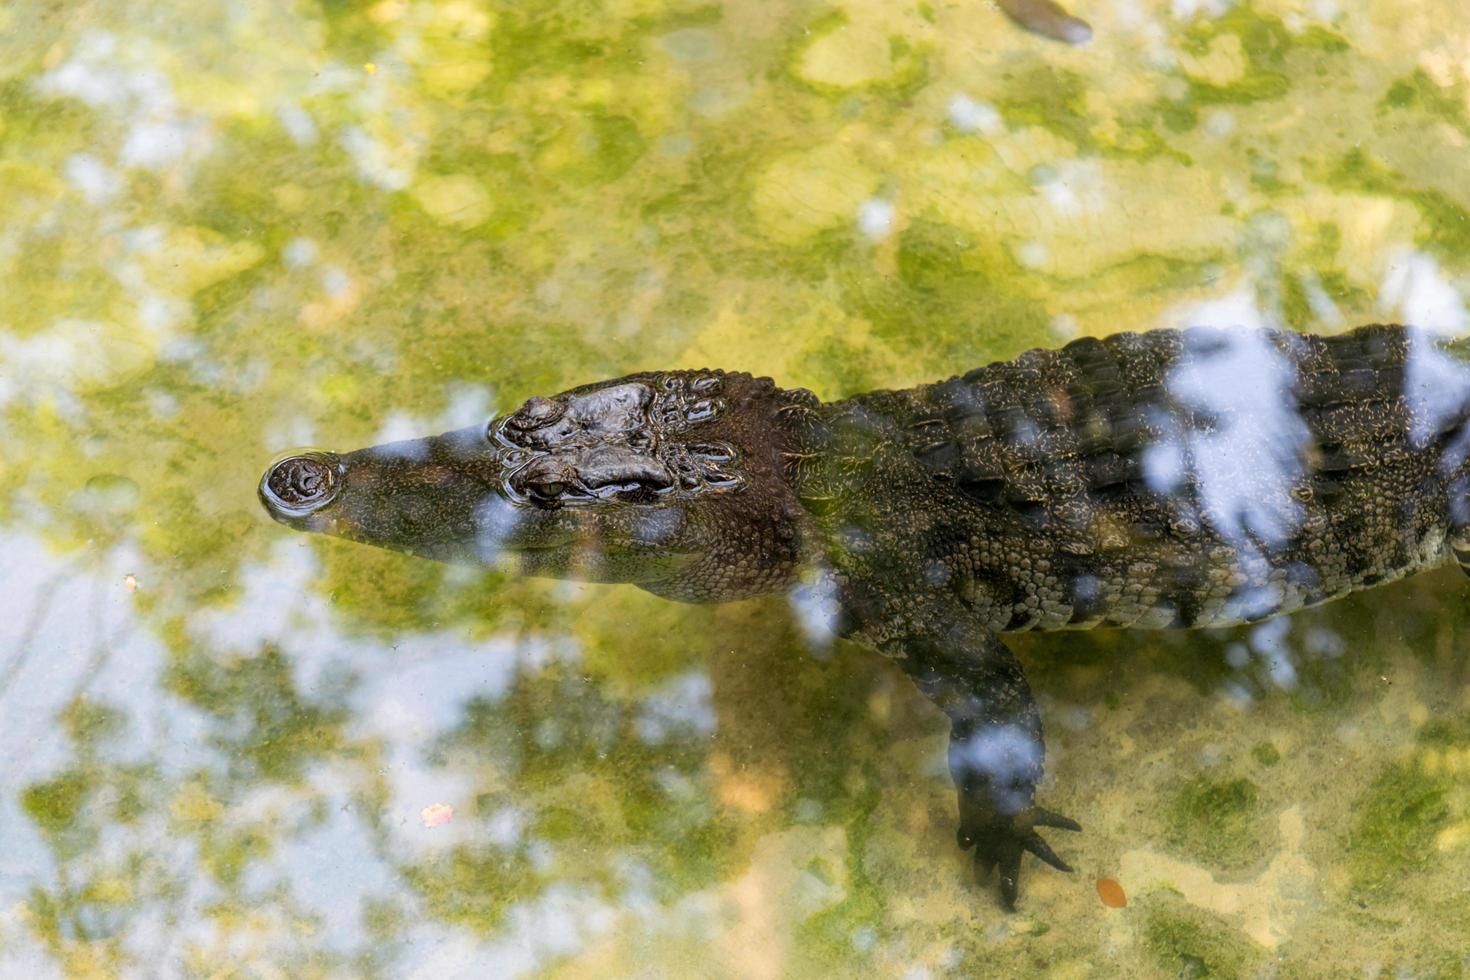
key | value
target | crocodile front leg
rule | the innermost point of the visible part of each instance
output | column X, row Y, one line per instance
column 995, row 747
column 996, row 751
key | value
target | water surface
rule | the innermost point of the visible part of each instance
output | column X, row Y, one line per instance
column 229, row 229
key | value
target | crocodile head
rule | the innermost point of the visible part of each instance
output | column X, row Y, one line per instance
column 669, row 480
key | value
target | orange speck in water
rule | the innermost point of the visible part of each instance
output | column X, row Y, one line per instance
column 1111, row 893
column 131, row 581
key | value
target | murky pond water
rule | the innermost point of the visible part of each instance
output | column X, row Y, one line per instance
column 229, row 229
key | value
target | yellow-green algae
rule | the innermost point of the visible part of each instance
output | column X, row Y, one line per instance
column 1410, row 807
column 1185, row 942
column 1216, row 820
column 226, row 230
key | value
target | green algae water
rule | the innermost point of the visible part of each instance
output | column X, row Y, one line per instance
column 231, row 229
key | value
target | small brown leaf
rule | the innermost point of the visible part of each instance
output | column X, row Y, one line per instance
column 1111, row 893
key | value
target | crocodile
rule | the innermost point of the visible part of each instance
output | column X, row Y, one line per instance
column 1169, row 479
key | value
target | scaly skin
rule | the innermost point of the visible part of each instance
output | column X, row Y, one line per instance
column 1169, row 479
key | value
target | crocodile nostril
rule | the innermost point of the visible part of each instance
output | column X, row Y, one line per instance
column 300, row 484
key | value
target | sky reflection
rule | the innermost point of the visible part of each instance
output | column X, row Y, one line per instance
column 227, row 230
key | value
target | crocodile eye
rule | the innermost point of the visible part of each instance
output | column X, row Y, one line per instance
column 546, row 489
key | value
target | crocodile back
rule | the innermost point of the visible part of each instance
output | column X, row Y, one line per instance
column 1189, row 478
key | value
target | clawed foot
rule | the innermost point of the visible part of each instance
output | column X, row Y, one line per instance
column 999, row 841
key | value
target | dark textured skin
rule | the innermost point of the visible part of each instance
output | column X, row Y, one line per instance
column 1168, row 479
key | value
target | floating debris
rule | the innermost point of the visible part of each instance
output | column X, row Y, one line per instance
column 1047, row 19
column 1111, row 893
column 131, row 581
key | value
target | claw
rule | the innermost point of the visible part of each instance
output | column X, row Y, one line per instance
column 1010, row 872
column 1034, row 843
column 1000, row 841
column 1047, row 818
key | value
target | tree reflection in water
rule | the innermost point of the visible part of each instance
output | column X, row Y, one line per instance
column 220, row 234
